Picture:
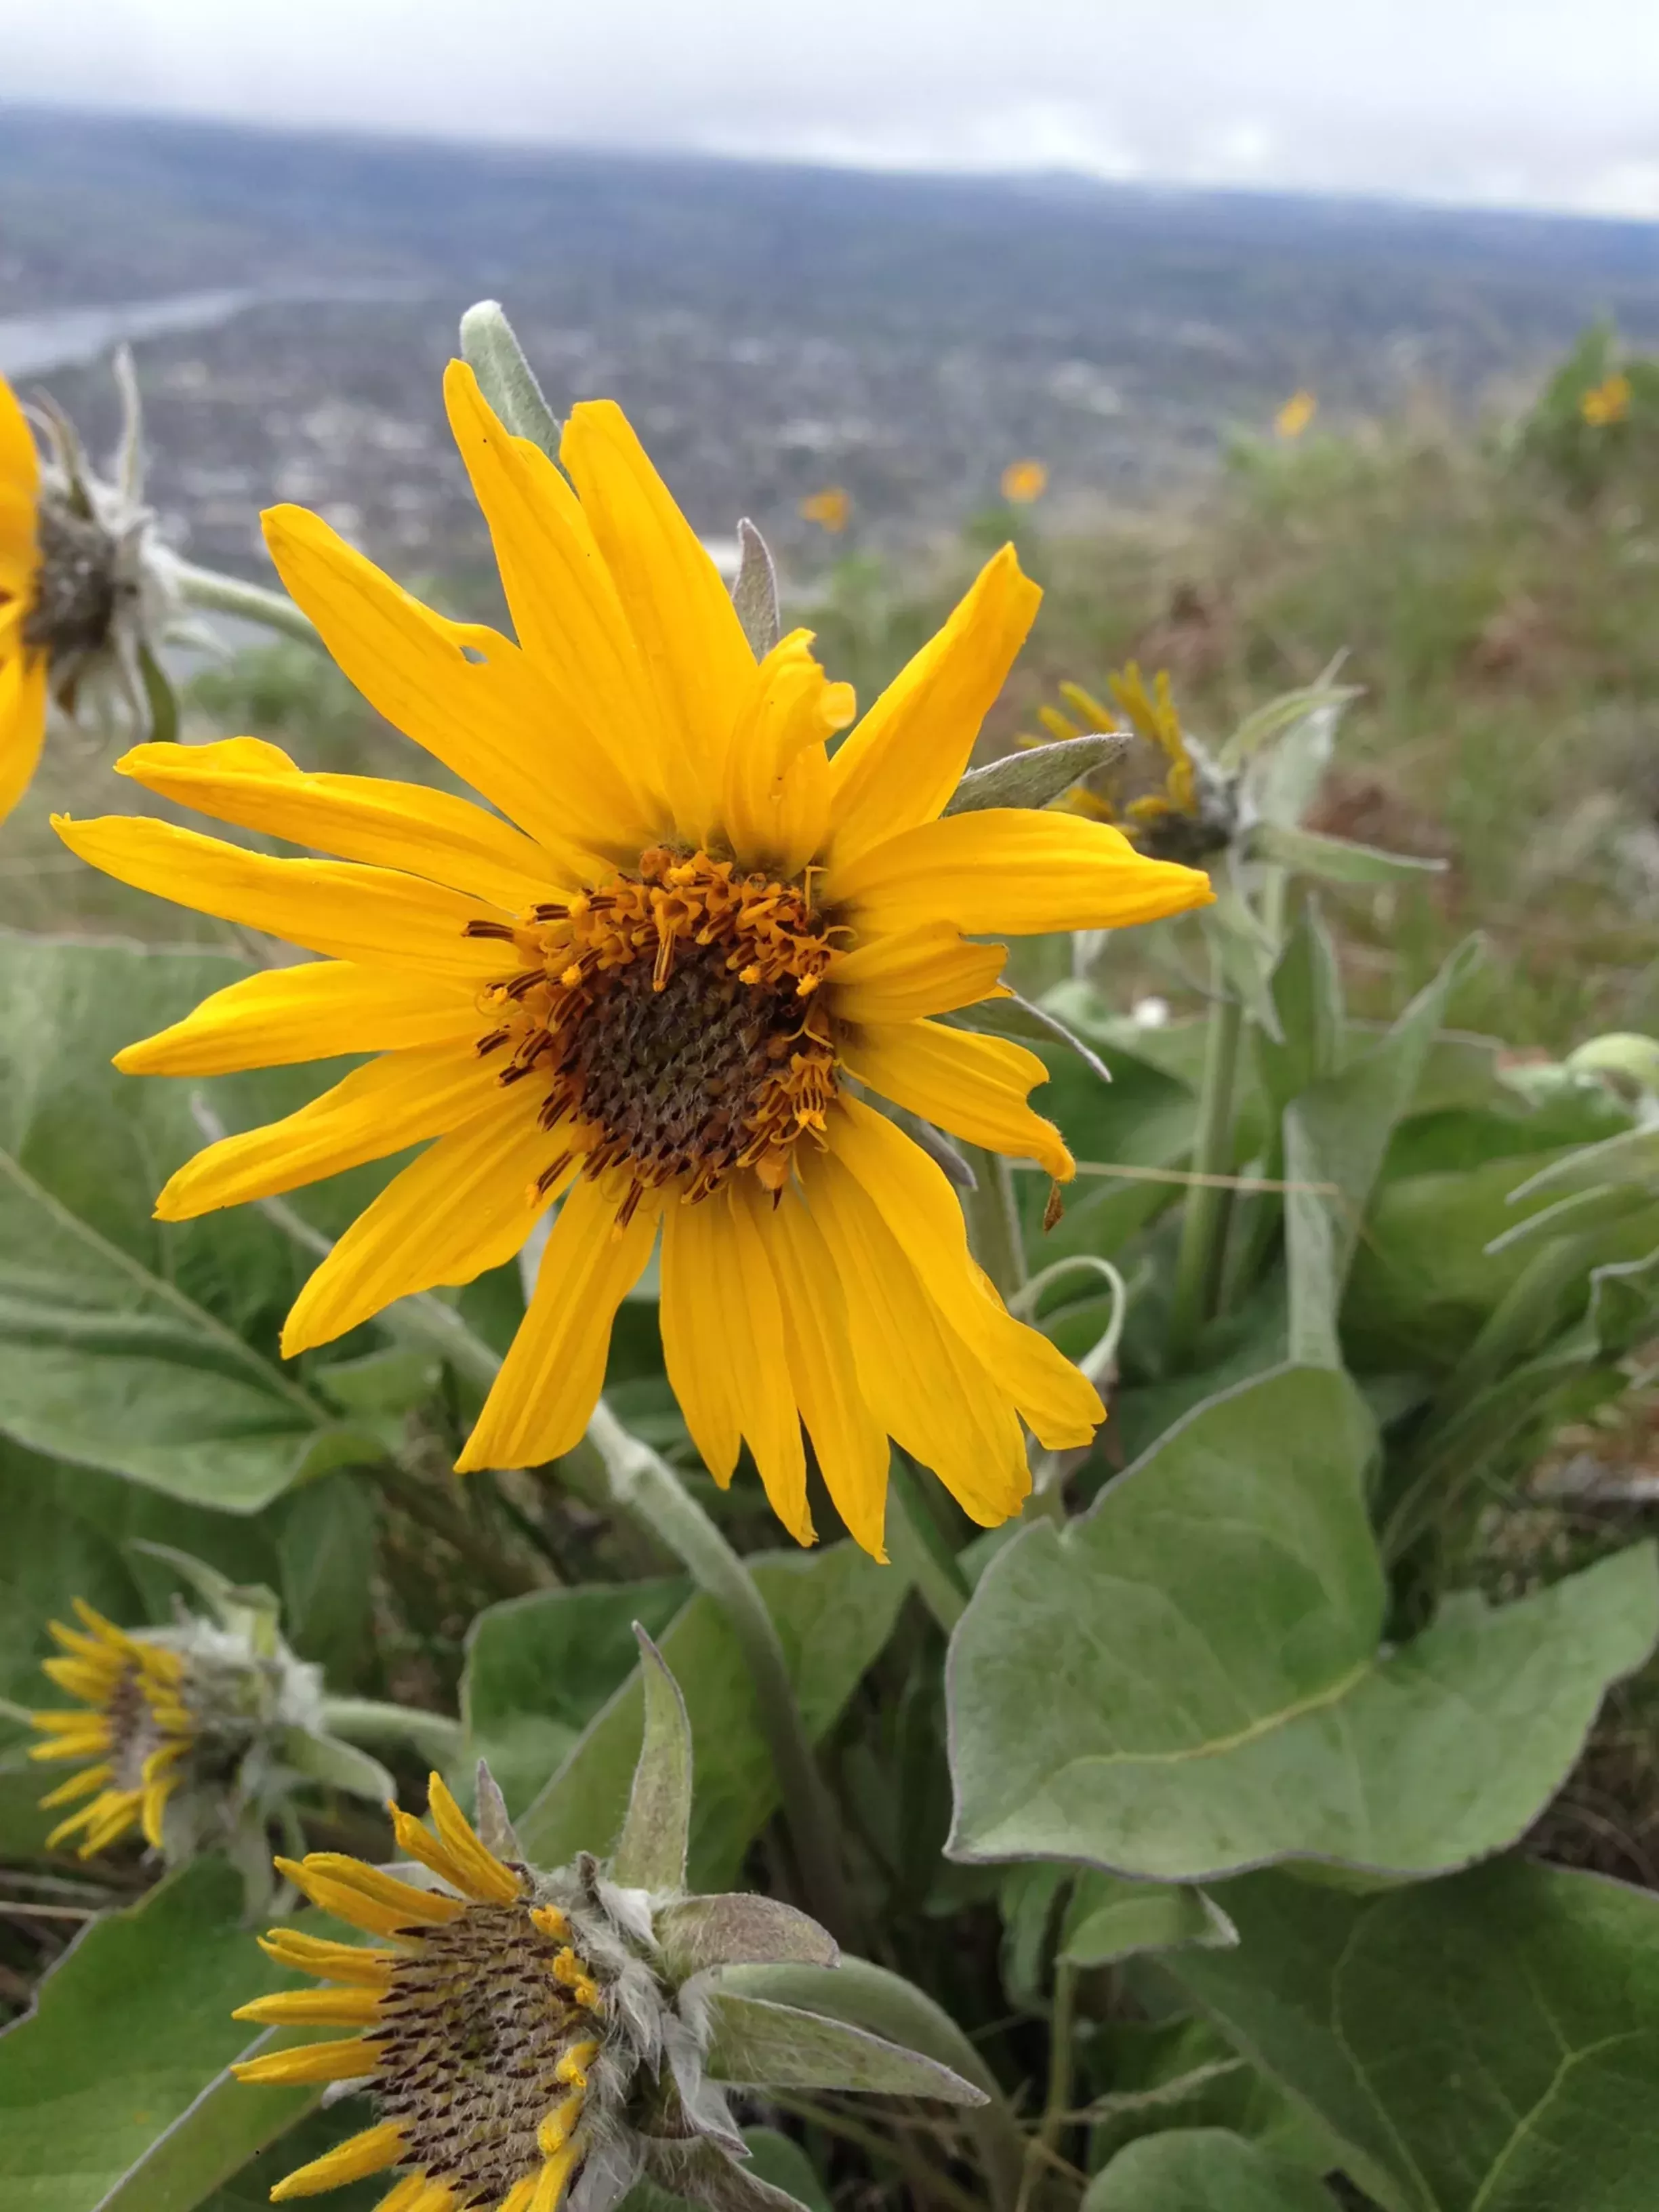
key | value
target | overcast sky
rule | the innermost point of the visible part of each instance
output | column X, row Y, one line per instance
column 1547, row 103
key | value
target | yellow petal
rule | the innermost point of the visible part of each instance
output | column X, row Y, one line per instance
column 153, row 1809
column 920, row 1380
column 753, row 1319
column 696, row 1248
column 550, row 2183
column 365, row 1896
column 494, row 719
column 776, row 783
column 78, row 1785
column 901, row 764
column 371, row 2151
column 570, row 621
column 87, row 1678
column 431, row 834
column 410, row 2194
column 315, row 1011
column 930, row 970
column 911, row 1196
column 973, row 1086
column 468, row 1204
column 549, row 1381
column 392, row 1101
column 697, row 662
column 356, row 1964
column 22, row 722
column 482, row 1873
column 314, row 2008
column 351, row 2061
column 336, row 907
column 1014, row 870
column 850, row 1443
column 20, row 472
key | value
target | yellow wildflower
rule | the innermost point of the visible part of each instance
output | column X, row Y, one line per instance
column 1294, row 417
column 1607, row 402
column 134, row 1724
column 648, row 996
column 1025, row 482
column 830, row 508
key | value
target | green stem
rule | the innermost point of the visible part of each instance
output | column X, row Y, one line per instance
column 230, row 595
column 646, row 1487
column 993, row 1221
column 368, row 1720
column 920, row 1551
column 1204, row 1216
column 1045, row 2144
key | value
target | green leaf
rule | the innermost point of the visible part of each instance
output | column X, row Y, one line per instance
column 833, row 1610
column 1183, row 2073
column 143, row 1348
column 539, row 1667
column 1040, row 773
column 1488, row 2042
column 739, row 1930
column 1203, row 2170
column 1109, row 1919
column 1336, row 1134
column 1230, row 1703
column 130, row 2027
column 1334, row 860
column 760, row 2045
column 651, row 1849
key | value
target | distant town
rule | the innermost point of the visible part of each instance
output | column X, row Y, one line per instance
column 775, row 332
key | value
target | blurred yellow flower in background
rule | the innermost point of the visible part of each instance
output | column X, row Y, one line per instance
column 1607, row 402
column 1022, row 482
column 829, row 508
column 1294, row 417
column 646, row 998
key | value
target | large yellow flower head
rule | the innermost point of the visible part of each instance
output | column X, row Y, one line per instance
column 23, row 659
column 655, row 991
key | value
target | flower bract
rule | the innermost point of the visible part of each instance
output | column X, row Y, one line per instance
column 657, row 987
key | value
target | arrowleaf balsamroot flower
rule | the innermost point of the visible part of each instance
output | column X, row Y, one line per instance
column 531, row 2038
column 651, row 990
column 136, row 1722
column 85, row 590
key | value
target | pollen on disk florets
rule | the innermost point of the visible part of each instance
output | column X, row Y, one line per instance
column 671, row 1013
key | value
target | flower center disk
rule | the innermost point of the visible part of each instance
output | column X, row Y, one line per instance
column 480, row 2040
column 74, row 599
column 671, row 1014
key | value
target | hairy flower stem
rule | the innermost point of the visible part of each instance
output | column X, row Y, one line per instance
column 993, row 1221
column 648, row 1489
column 1204, row 1215
column 229, row 595
column 438, row 1739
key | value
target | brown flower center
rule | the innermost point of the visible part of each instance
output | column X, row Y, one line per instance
column 672, row 1015
column 75, row 591
column 483, row 2037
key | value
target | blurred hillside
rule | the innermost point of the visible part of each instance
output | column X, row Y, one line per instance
column 771, row 329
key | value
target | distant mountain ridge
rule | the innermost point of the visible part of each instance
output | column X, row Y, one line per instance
column 773, row 327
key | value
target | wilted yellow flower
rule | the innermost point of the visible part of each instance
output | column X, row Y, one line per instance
column 134, row 1724
column 1188, row 812
column 1294, row 417
column 646, row 997
column 1607, row 402
column 829, row 508
column 1024, row 481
